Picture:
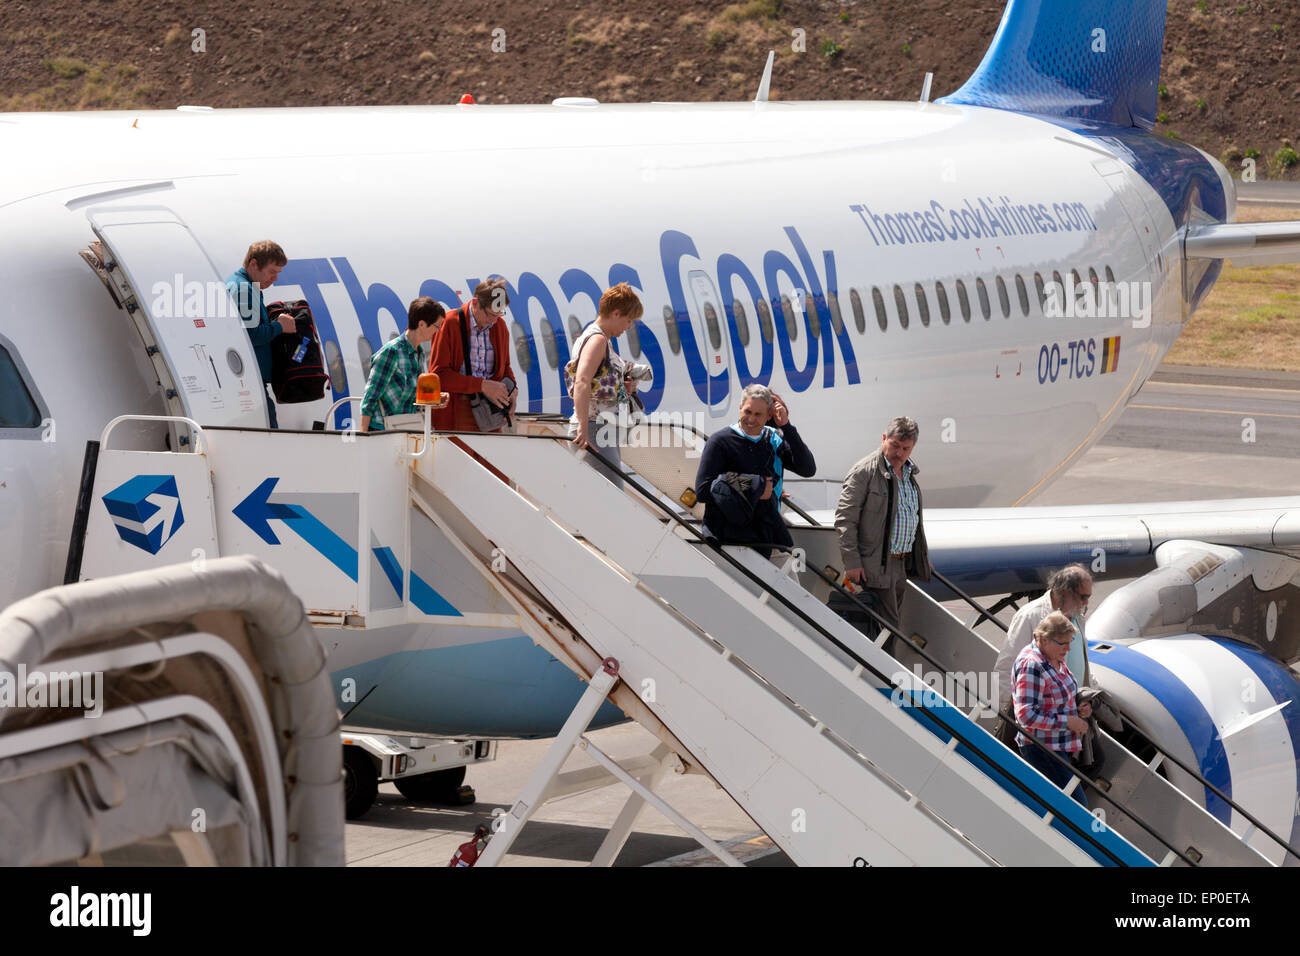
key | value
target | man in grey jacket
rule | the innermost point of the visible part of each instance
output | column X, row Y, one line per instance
column 882, row 536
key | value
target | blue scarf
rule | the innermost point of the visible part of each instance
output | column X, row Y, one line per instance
column 770, row 435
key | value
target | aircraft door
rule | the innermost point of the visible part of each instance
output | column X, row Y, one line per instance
column 188, row 320
column 1116, row 176
column 716, row 349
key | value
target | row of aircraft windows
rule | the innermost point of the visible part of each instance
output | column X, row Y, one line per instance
column 921, row 302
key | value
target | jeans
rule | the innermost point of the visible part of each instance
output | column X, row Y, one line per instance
column 1049, row 768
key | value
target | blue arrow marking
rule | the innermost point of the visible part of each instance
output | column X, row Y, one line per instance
column 256, row 511
column 391, row 568
column 423, row 596
column 308, row 527
column 430, row 601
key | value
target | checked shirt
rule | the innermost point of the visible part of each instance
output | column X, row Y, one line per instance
column 1045, row 700
column 390, row 389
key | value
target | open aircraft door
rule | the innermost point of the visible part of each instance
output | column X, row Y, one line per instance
column 190, row 324
column 711, row 321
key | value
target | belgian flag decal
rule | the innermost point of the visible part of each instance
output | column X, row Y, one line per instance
column 1110, row 355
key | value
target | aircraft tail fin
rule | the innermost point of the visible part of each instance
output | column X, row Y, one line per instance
column 1093, row 60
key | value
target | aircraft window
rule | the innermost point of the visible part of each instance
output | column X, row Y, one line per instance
column 859, row 316
column 522, row 353
column 1023, row 294
column 1004, row 300
column 17, row 407
column 634, row 338
column 334, row 362
column 1042, row 291
column 1060, row 286
column 814, row 316
column 945, row 310
column 548, row 343
column 1092, row 277
column 392, row 335
column 366, row 354
column 837, row 320
column 674, row 337
column 983, row 291
column 711, row 322
column 765, row 320
column 882, row 317
column 1078, row 284
column 742, row 322
column 575, row 328
column 1110, row 276
column 900, row 301
column 922, row 305
column 963, row 299
column 787, row 310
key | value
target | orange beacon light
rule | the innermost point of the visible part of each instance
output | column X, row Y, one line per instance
column 428, row 390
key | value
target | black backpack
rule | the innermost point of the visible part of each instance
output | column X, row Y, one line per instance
column 297, row 368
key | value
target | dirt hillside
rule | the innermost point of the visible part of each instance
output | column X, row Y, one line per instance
column 1231, row 80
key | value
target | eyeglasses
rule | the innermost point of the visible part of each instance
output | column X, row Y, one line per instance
column 1061, row 643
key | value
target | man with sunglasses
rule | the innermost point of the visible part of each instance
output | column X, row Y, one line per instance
column 1068, row 590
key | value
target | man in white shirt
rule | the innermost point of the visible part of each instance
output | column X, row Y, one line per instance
column 1068, row 591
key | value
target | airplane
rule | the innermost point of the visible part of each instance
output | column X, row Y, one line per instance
column 1007, row 265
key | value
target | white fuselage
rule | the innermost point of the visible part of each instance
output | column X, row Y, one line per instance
column 693, row 204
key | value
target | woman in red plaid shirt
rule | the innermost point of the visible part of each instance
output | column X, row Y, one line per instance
column 1045, row 693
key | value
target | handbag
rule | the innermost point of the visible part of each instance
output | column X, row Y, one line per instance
column 1092, row 756
column 488, row 415
column 607, row 386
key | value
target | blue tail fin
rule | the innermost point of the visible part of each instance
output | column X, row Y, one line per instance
column 1096, row 60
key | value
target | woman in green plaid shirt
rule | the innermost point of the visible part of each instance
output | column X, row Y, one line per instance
column 396, row 367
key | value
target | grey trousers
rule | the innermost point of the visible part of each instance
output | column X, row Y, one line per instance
column 891, row 596
column 605, row 438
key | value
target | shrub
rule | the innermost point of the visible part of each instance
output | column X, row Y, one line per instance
column 65, row 67
column 831, row 49
column 1285, row 158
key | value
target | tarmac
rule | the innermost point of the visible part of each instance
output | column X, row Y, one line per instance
column 1184, row 437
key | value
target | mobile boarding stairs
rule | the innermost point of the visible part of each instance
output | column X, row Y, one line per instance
column 835, row 747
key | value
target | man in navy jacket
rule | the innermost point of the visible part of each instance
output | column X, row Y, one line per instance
column 742, row 468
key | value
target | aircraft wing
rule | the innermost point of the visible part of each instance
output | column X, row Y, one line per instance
column 991, row 551
column 1245, row 243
